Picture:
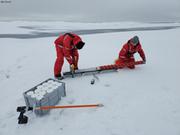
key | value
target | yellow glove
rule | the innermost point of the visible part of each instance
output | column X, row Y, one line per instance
column 72, row 67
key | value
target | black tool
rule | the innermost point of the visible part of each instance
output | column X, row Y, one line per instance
column 23, row 119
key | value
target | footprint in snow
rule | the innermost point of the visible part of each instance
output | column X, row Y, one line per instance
column 71, row 101
column 107, row 85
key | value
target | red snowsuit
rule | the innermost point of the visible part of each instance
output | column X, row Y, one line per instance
column 126, row 54
column 65, row 47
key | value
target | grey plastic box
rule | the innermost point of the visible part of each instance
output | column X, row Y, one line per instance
column 47, row 93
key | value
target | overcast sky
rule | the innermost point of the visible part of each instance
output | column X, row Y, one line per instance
column 91, row 10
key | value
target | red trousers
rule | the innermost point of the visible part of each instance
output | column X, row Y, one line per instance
column 60, row 61
column 126, row 60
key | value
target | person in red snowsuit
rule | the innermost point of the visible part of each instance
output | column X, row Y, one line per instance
column 128, row 50
column 67, row 45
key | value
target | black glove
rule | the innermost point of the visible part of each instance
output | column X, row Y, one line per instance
column 144, row 60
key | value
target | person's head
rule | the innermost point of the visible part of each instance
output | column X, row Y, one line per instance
column 78, row 43
column 134, row 41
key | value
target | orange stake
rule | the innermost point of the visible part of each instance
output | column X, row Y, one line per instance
column 68, row 106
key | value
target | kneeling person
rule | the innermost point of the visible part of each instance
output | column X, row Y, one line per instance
column 126, row 54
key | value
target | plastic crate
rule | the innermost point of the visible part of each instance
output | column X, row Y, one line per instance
column 47, row 93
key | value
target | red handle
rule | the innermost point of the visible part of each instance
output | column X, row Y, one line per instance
column 115, row 66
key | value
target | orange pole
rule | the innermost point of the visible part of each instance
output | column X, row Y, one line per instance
column 68, row 106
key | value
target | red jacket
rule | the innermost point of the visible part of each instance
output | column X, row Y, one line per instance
column 128, row 51
column 68, row 43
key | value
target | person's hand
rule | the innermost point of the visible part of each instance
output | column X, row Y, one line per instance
column 75, row 67
column 72, row 67
column 144, row 60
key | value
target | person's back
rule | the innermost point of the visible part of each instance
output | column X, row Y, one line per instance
column 59, row 40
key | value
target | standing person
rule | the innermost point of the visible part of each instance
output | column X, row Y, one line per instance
column 128, row 50
column 67, row 45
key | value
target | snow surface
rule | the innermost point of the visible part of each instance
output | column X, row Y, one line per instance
column 25, row 27
column 144, row 101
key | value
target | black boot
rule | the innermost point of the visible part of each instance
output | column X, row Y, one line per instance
column 59, row 77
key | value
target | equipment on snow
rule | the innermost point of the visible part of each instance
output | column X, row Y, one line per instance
column 48, row 92
column 100, row 69
column 69, row 106
column 23, row 119
column 92, row 81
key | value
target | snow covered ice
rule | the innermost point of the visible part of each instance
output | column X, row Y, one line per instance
column 143, row 101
